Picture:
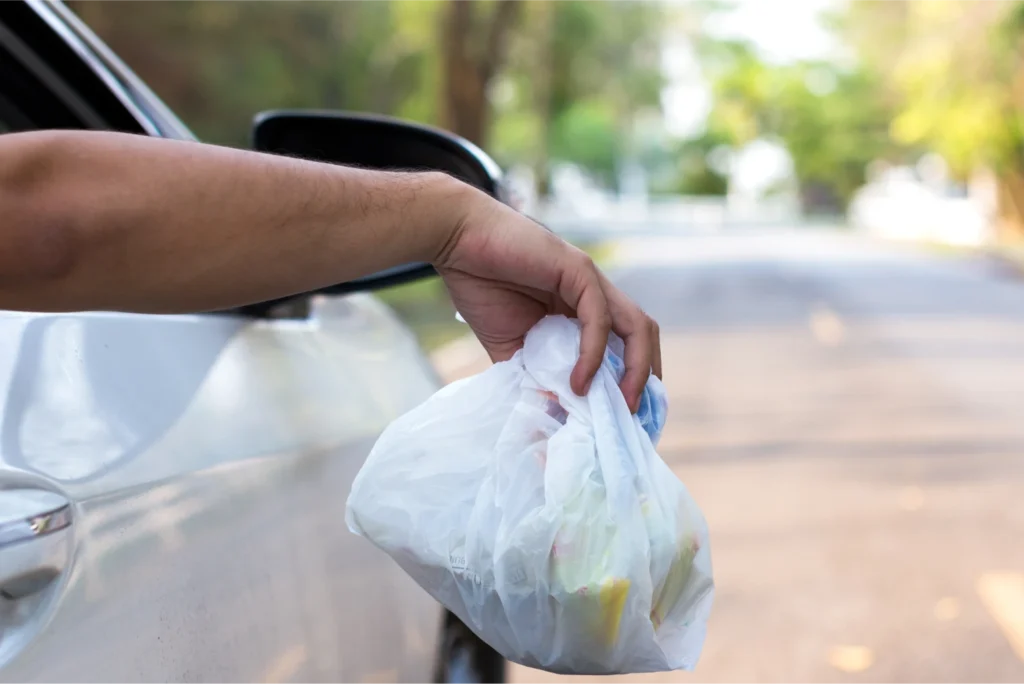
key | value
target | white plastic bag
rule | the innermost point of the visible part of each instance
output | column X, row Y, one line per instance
column 545, row 521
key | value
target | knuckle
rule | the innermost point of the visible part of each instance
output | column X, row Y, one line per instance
column 584, row 260
column 641, row 323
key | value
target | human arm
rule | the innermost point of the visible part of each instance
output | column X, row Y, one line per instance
column 108, row 221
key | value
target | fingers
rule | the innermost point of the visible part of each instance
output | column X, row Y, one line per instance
column 601, row 307
column 556, row 267
column 586, row 295
column 640, row 335
column 656, row 349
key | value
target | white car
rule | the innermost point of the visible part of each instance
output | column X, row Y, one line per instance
column 172, row 488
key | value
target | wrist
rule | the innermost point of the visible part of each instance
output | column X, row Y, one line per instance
column 446, row 204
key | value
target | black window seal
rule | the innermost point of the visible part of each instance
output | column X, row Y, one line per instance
column 132, row 91
column 50, row 80
column 60, row 27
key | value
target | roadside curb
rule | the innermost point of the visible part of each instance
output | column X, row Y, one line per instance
column 1010, row 259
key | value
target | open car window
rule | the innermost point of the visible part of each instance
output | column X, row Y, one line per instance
column 32, row 95
column 49, row 78
column 11, row 117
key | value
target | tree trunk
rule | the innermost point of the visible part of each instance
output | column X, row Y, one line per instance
column 464, row 96
column 1010, row 223
column 544, row 98
column 473, row 51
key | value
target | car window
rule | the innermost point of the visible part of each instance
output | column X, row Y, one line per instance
column 11, row 117
column 46, row 79
column 26, row 102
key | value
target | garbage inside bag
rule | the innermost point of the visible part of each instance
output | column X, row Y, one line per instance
column 545, row 521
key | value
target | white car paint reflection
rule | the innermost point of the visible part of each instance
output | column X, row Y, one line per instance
column 208, row 458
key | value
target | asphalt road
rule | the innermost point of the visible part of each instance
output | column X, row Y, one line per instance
column 851, row 419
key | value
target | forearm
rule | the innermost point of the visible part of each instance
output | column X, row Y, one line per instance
column 119, row 222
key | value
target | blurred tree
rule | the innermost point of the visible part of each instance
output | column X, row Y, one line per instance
column 955, row 71
column 217, row 63
column 697, row 172
column 579, row 72
column 834, row 126
column 529, row 80
column 830, row 119
column 474, row 44
column 588, row 134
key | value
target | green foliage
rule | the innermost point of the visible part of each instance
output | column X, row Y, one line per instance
column 696, row 175
column 517, row 137
column 953, row 72
column 576, row 73
column 830, row 119
column 579, row 72
column 586, row 133
column 832, row 135
column 218, row 63
column 952, row 68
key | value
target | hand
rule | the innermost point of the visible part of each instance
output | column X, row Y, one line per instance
column 505, row 272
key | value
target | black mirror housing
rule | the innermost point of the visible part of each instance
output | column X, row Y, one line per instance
column 375, row 142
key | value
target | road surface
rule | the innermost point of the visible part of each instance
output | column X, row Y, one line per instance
column 851, row 419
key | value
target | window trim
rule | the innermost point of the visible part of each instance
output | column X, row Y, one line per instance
column 49, row 79
column 90, row 60
column 133, row 92
column 83, row 75
column 11, row 117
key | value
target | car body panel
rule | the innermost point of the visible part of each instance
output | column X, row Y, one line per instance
column 208, row 459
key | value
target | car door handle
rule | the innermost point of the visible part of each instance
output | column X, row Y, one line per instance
column 35, row 527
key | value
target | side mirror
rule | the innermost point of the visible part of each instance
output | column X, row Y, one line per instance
column 376, row 142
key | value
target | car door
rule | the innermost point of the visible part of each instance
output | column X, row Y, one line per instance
column 172, row 488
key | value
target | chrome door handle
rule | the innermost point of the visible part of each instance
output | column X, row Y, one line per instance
column 34, row 540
